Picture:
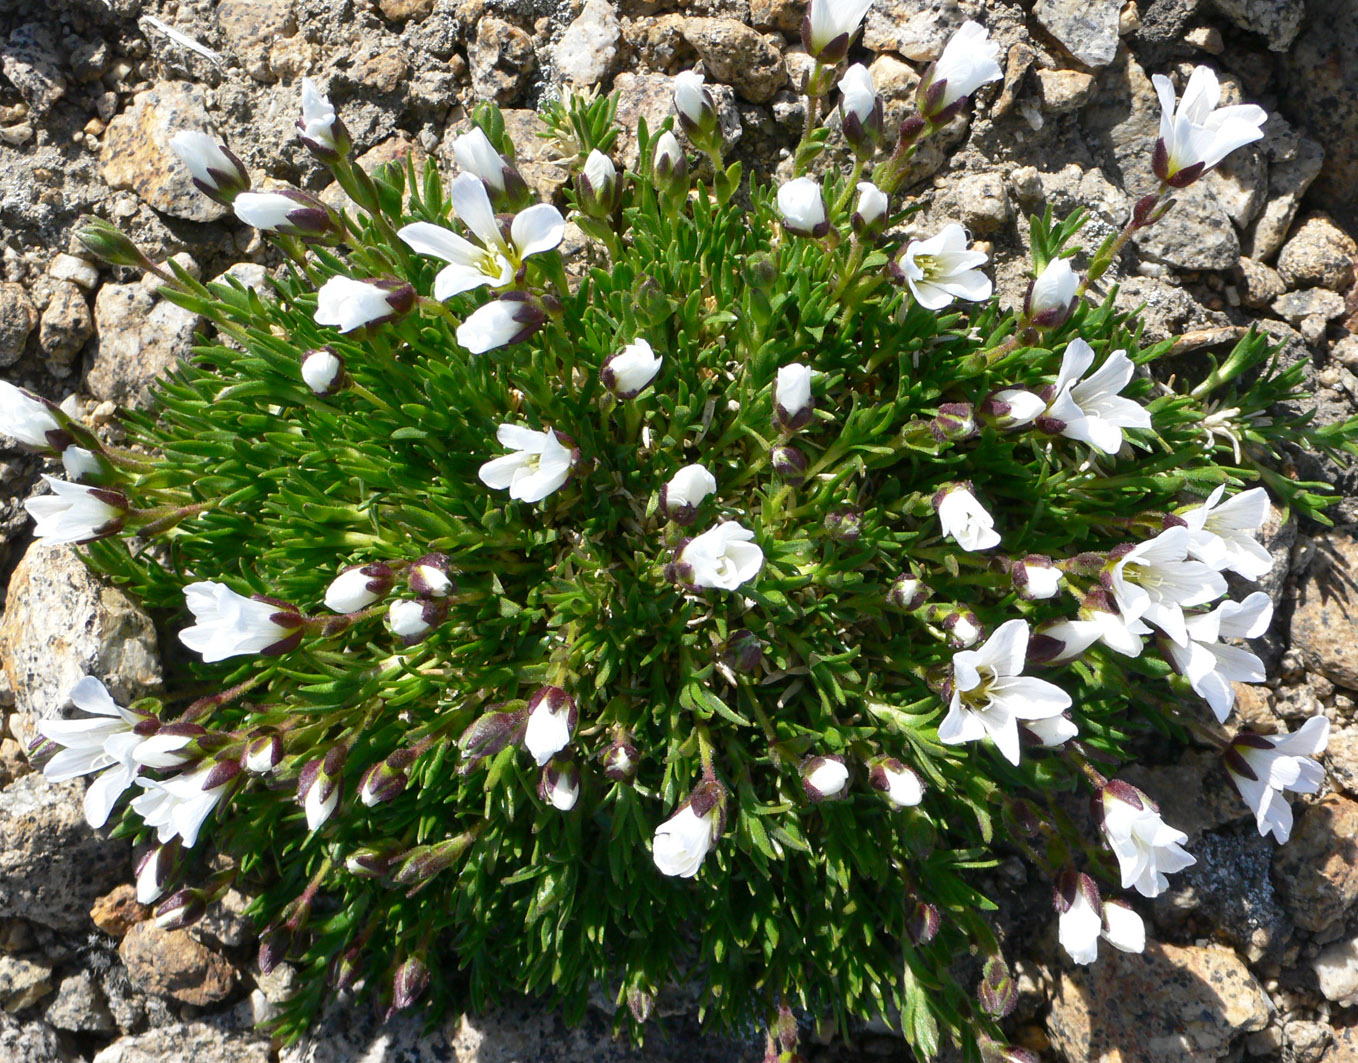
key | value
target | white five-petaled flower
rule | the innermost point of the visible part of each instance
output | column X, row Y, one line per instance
column 540, row 464
column 968, row 62
column 1051, row 298
column 990, row 694
column 1089, row 408
column 1196, row 134
column 26, row 418
column 76, row 513
column 102, row 742
column 966, row 520
column 723, row 557
column 177, row 807
column 681, row 842
column 495, row 262
column 631, row 369
column 1081, row 916
column 320, row 127
column 552, row 714
column 830, row 25
column 685, row 491
column 941, row 269
column 217, row 173
column 801, row 202
column 1155, row 581
column 1263, row 766
column 1212, row 667
column 350, row 304
column 1219, row 533
column 1146, row 847
column 227, row 624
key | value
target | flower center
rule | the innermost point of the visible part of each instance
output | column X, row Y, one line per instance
column 977, row 699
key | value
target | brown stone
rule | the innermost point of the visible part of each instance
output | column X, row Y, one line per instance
column 502, row 58
column 1170, row 1004
column 18, row 315
column 405, row 10
column 169, row 963
column 736, row 55
column 117, row 912
column 1317, row 871
column 1345, row 1047
column 1318, row 253
column 783, row 16
column 1325, row 620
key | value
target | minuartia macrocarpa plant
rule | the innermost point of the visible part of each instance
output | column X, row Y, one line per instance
column 707, row 609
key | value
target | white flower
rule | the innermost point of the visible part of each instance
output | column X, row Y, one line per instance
column 792, row 401
column 320, row 800
column 1219, row 532
column 1035, row 577
column 967, row 63
column 319, row 125
column 668, row 153
column 551, row 719
column 349, row 304
column 561, row 786
column 831, row 24
column 692, row 101
column 1053, row 731
column 178, row 806
column 164, row 749
column 1155, row 581
column 410, row 619
column 540, row 464
column 1146, row 847
column 292, row 213
column 351, row 591
column 941, row 269
column 600, row 190
column 1123, row 928
column 153, row 874
column 681, row 842
column 801, row 202
column 321, row 370
column 681, row 497
column 103, row 742
column 474, row 152
column 900, row 785
column 858, row 95
column 26, row 419
column 963, row 627
column 1051, row 298
column 498, row 323
column 966, row 520
column 1263, row 766
column 825, row 778
column 1091, row 410
column 216, row 172
column 495, row 262
column 429, row 577
column 227, row 624
column 631, row 369
column 1213, row 668
column 872, row 206
column 80, row 463
column 1014, row 408
column 723, row 557
column 599, row 169
column 1198, row 133
column 1081, row 919
column 990, row 694
column 1097, row 623
column 76, row 513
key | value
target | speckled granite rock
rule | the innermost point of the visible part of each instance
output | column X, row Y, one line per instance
column 1325, row 619
column 1317, row 871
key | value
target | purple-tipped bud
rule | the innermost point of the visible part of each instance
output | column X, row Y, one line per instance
column 1052, row 296
column 412, row 619
column 998, row 991
column 963, row 627
column 1035, row 577
column 417, row 866
column 386, row 779
column 217, row 173
column 323, row 371
column 824, row 778
column 743, row 651
column 408, row 983
column 669, row 166
column 844, row 525
column 789, row 463
column 488, row 735
column 182, row 908
column 290, row 212
column 793, row 402
column 697, row 111
column 345, row 969
column 274, row 945
column 371, row 861
column 262, row 753
column 156, row 870
column 428, row 576
column 358, row 587
column 925, row 922
column 955, row 422
column 900, row 784
column 320, row 129
column 620, row 760
column 559, row 784
column 908, row 592
column 599, row 188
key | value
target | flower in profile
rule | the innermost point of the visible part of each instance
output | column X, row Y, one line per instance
column 824, row 778
column 552, row 715
column 941, row 269
column 1122, row 927
column 697, row 110
column 290, row 212
column 1219, row 533
column 1051, row 297
column 801, row 202
column 723, row 557
column 318, row 787
column 681, row 842
column 1146, row 847
column 76, row 513
column 510, row 319
column 829, row 26
column 899, row 784
column 320, row 128
column 1076, row 899
column 178, row 807
column 1052, row 731
column 862, row 110
column 965, row 519
column 30, row 420
column 154, row 872
column 227, row 624
column 357, row 587
column 1196, row 133
column 792, row 400
column 968, row 62
column 476, row 154
column 1011, row 408
column 1263, row 766
column 870, row 213
column 684, row 493
column 493, row 261
column 102, row 742
column 989, row 693
column 217, row 173
column 1091, row 409
column 599, row 186
column 540, row 464
column 1097, row 621
column 631, row 369
column 1212, row 667
column 323, row 371
column 1156, row 581
column 559, row 784
column 412, row 619
column 350, row 304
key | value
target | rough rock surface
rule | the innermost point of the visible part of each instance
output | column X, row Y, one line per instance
column 588, row 50
column 1325, row 618
column 1087, row 28
column 1317, row 871
column 171, row 963
column 17, row 318
column 196, row 1041
column 1318, row 253
column 140, row 338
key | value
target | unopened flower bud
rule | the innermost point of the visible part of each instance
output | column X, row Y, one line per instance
column 844, row 525
column 684, row 493
column 386, row 779
column 760, row 271
column 412, row 619
column 488, row 735
column 371, row 861
column 416, row 867
column 106, row 242
column 408, row 983
column 289, row 212
column 345, row 968
column 955, row 422
column 559, row 784
column 323, row 371
column 274, row 945
column 963, row 628
column 870, row 214
column 358, row 586
column 801, row 203
column 628, row 372
column 217, row 173
column 1051, row 297
column 824, row 778
column 900, row 784
column 155, row 871
column 599, row 186
column 552, row 716
column 862, row 111
column 262, row 753
column 1011, row 408
column 924, row 924
column 620, row 760
column 476, row 154
column 793, row 402
column 1035, row 577
column 908, row 592
column 318, row 787
column 182, row 908
column 428, row 576
column 789, row 463
column 998, row 992
column 743, row 651
column 697, row 111
column 670, row 166
column 320, row 128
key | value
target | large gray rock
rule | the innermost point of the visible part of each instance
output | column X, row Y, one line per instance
column 140, row 337
column 198, row 1042
column 60, row 625
column 53, row 867
column 1319, row 253
column 736, row 55
column 588, row 50
column 31, row 1042
column 916, row 29
column 31, row 63
column 1325, row 617
column 136, row 152
column 1087, row 28
column 64, row 327
column 1277, row 21
column 79, row 1006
